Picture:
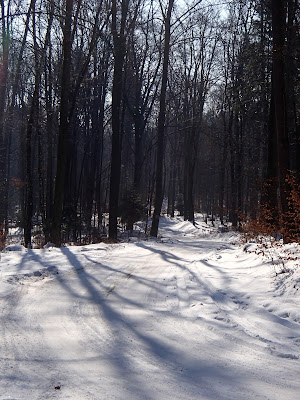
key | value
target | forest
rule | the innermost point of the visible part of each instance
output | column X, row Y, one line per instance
column 112, row 112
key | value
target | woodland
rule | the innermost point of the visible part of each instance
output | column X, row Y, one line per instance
column 112, row 112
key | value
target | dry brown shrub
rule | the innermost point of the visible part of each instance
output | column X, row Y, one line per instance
column 262, row 226
column 3, row 235
column 290, row 221
column 288, row 226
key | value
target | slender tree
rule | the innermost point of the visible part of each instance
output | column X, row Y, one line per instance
column 3, row 84
column 278, row 142
column 161, row 124
column 119, row 43
column 279, row 9
column 55, row 233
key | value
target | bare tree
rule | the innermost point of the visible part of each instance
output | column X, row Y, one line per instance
column 3, row 80
column 55, row 235
column 161, row 124
column 119, row 42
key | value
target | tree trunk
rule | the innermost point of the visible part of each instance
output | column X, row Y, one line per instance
column 55, row 232
column 5, row 141
column 292, row 78
column 28, row 201
column 279, row 95
column 119, row 42
column 161, row 126
column 3, row 79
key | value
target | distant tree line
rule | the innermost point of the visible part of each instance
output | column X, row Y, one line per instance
column 126, row 107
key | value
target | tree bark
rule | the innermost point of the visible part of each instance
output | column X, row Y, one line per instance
column 279, row 96
column 119, row 42
column 292, row 78
column 55, row 232
column 161, row 126
column 3, row 79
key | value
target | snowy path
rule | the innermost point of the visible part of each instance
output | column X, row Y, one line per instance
column 193, row 317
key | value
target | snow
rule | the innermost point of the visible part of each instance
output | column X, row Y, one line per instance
column 193, row 315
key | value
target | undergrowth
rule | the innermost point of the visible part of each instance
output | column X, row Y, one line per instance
column 3, row 235
column 285, row 226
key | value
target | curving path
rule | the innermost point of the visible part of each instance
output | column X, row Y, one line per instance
column 189, row 317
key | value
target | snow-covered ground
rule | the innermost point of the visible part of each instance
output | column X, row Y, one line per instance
column 195, row 315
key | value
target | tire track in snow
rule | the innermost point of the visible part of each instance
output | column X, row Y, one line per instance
column 72, row 349
column 238, row 315
column 88, row 310
column 11, row 343
column 27, row 365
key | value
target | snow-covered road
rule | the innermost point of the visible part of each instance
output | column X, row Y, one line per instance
column 192, row 316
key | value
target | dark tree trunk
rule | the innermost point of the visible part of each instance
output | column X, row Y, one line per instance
column 189, row 171
column 55, row 233
column 28, row 201
column 233, row 217
column 5, row 156
column 49, row 129
column 161, row 127
column 278, row 145
column 3, row 152
column 292, row 78
column 222, row 175
column 115, row 172
column 99, row 172
column 276, row 194
column 32, row 124
column 138, row 152
column 269, row 197
column 119, row 41
column 279, row 96
column 171, row 188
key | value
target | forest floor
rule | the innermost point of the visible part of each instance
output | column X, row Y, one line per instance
column 193, row 315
